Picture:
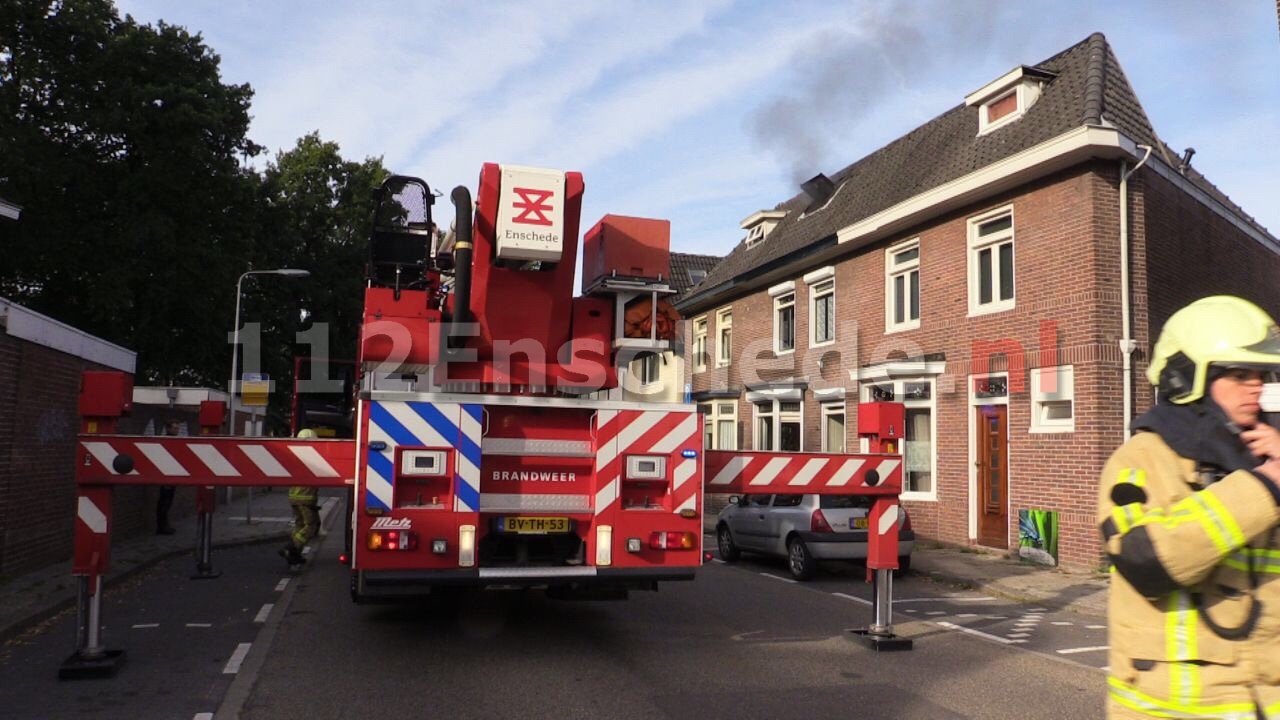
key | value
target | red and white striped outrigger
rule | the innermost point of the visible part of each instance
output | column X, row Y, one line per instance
column 873, row 475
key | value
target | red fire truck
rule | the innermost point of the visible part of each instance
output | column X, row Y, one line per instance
column 493, row 441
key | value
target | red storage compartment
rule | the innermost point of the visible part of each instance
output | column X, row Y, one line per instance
column 105, row 394
column 629, row 247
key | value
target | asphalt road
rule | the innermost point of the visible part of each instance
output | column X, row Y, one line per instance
column 742, row 641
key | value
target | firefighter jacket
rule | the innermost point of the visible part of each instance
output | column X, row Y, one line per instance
column 303, row 495
column 1194, row 606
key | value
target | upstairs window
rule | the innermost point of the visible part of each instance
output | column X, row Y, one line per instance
column 697, row 276
column 755, row 235
column 784, row 323
column 724, row 337
column 991, row 267
column 700, row 344
column 648, row 367
column 902, row 286
column 1008, row 97
column 822, row 313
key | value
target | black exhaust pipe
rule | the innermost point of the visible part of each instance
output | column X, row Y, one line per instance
column 463, row 250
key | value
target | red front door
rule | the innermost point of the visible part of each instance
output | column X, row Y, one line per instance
column 993, row 475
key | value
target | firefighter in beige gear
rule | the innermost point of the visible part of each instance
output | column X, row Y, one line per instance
column 306, row 516
column 1188, row 510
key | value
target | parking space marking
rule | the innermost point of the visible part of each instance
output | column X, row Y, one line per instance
column 1073, row 651
column 778, row 577
column 979, row 633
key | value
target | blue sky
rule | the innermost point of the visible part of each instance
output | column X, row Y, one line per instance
column 705, row 111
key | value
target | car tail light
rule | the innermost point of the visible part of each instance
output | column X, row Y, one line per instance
column 391, row 540
column 672, row 540
column 818, row 523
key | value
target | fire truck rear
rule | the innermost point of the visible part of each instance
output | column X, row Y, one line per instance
column 494, row 443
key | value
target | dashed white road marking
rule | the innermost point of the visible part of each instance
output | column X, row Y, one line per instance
column 1095, row 627
column 261, row 617
column 237, row 658
column 936, row 612
column 1073, row 651
column 997, row 617
column 203, row 716
column 1061, row 623
column 855, row 599
column 284, row 583
column 200, row 625
column 143, row 626
column 979, row 633
column 1018, row 635
column 967, row 615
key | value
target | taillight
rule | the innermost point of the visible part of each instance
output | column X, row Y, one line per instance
column 818, row 522
column 391, row 540
column 672, row 540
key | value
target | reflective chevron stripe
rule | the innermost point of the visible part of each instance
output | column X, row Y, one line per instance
column 424, row 424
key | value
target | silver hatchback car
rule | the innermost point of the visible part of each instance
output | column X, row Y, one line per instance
column 803, row 529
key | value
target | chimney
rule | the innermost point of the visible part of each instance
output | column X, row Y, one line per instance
column 819, row 188
column 1186, row 159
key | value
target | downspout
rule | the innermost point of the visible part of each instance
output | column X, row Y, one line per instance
column 1127, row 344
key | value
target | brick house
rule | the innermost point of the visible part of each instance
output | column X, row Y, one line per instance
column 1003, row 271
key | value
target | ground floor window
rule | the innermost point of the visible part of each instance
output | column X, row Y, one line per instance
column 719, row 425
column 916, row 395
column 833, row 433
column 779, row 425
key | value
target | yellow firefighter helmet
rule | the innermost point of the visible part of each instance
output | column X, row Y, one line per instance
column 1221, row 330
column 306, row 433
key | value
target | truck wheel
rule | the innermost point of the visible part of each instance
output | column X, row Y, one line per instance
column 724, row 541
column 799, row 561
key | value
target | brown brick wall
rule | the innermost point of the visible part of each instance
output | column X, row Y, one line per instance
column 39, row 391
column 1067, row 254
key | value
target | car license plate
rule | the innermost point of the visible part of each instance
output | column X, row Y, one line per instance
column 858, row 523
column 534, row 525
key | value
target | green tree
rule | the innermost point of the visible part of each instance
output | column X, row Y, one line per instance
column 127, row 153
column 317, row 214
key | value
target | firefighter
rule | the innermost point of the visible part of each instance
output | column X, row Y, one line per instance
column 164, row 501
column 306, row 516
column 1188, row 509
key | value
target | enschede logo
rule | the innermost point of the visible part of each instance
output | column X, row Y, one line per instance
column 388, row 523
column 533, row 206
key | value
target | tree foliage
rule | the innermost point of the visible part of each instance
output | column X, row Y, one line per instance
column 129, row 156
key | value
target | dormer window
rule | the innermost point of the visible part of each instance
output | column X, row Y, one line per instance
column 759, row 224
column 697, row 276
column 1008, row 97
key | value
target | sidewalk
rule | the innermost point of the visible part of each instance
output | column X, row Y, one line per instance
column 32, row 598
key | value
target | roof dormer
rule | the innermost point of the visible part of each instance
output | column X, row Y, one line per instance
column 759, row 224
column 1008, row 97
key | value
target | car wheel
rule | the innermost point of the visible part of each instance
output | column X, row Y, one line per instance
column 724, row 541
column 904, row 564
column 799, row 560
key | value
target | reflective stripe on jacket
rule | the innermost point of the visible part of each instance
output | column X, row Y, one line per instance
column 1177, row 547
column 303, row 494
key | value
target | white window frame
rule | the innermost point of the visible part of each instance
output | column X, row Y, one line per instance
column 779, row 417
column 755, row 235
column 930, row 403
column 822, row 287
column 700, row 344
column 781, row 303
column 1049, row 399
column 826, row 409
column 992, row 243
column 715, row 412
column 908, row 270
column 724, row 337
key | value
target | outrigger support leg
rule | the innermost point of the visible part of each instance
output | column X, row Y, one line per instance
column 880, row 635
column 91, row 659
column 204, row 535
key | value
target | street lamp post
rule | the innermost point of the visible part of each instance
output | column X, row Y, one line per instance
column 235, row 342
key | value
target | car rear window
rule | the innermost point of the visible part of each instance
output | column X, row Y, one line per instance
column 843, row 501
column 787, row 500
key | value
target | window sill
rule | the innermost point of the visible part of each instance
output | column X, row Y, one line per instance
column 991, row 308
column 904, row 327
